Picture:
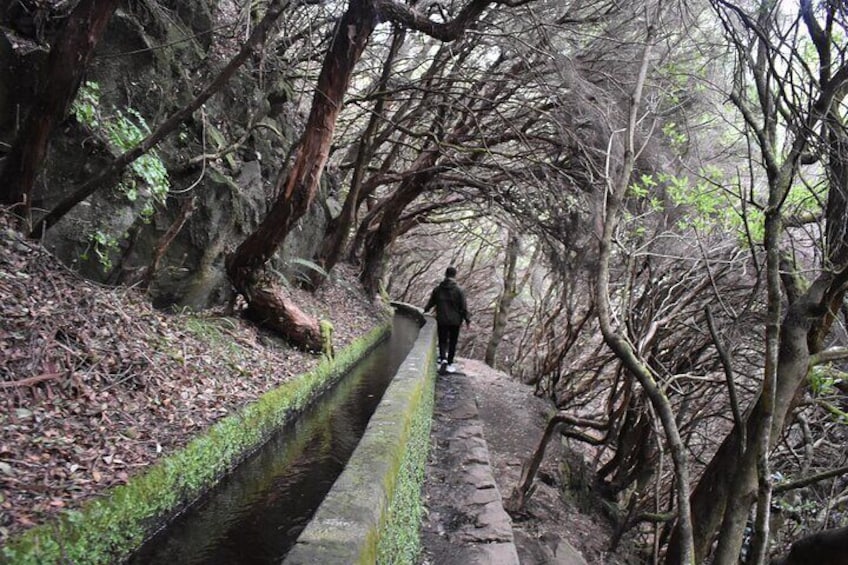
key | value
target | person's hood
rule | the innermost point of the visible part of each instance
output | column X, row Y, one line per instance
column 448, row 283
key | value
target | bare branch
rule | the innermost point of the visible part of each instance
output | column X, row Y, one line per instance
column 448, row 31
column 731, row 385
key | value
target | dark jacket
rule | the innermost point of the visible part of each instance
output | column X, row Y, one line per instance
column 449, row 300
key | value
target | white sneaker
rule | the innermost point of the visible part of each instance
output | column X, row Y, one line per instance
column 451, row 368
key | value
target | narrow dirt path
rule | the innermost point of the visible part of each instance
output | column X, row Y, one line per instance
column 552, row 530
column 466, row 523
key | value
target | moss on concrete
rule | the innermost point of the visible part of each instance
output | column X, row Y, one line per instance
column 400, row 540
column 327, row 338
column 110, row 528
column 372, row 514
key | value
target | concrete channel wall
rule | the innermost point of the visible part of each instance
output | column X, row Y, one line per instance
column 372, row 513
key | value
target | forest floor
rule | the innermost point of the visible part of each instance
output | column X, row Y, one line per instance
column 96, row 384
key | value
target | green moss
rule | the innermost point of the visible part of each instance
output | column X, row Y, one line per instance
column 109, row 528
column 327, row 338
column 400, row 540
column 373, row 512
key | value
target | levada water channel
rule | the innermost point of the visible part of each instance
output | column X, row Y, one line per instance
column 255, row 514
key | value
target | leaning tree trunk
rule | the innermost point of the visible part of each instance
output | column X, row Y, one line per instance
column 297, row 189
column 378, row 241
column 523, row 489
column 505, row 300
column 729, row 479
column 65, row 66
column 337, row 231
column 614, row 338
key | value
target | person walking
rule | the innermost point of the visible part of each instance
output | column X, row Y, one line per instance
column 449, row 300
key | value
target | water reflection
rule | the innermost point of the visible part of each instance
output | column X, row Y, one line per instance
column 255, row 515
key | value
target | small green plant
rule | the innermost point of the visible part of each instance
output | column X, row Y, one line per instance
column 327, row 338
column 103, row 245
column 823, row 380
column 147, row 184
column 677, row 138
column 86, row 106
column 126, row 130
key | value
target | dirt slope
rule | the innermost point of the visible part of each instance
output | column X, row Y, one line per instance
column 96, row 385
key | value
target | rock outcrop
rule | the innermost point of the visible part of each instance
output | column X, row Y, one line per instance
column 153, row 58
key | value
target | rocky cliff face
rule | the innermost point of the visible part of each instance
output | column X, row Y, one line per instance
column 152, row 60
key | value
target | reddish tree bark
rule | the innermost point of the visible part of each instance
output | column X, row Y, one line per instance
column 298, row 187
column 337, row 231
column 272, row 308
column 65, row 66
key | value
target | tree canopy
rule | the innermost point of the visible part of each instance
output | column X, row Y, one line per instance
column 647, row 202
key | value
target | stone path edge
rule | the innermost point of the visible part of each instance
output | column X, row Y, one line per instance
column 466, row 522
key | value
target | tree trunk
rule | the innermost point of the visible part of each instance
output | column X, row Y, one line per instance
column 367, row 225
column 297, row 189
column 338, row 228
column 65, row 66
column 505, row 300
column 522, row 491
column 164, row 243
column 635, row 448
column 837, row 198
column 620, row 344
column 722, row 499
column 271, row 308
column 828, row 547
column 378, row 241
column 727, row 477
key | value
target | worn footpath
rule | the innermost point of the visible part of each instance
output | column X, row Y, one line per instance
column 485, row 426
column 466, row 521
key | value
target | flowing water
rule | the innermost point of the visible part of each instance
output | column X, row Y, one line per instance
column 256, row 513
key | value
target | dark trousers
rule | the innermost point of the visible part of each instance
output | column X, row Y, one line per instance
column 448, row 336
